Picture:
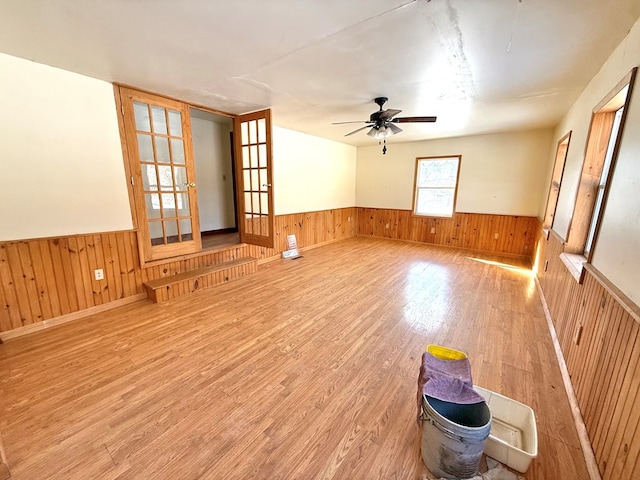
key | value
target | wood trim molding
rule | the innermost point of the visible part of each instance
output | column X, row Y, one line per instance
column 191, row 104
column 557, row 236
column 627, row 79
column 125, row 154
column 624, row 301
column 557, row 173
column 575, row 264
column 583, row 435
column 52, row 322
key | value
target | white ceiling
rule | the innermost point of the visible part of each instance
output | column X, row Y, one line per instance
column 479, row 65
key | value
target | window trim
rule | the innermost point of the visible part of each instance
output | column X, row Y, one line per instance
column 455, row 188
column 565, row 140
column 575, row 243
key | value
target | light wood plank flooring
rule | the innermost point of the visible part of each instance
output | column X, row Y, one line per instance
column 305, row 370
column 218, row 240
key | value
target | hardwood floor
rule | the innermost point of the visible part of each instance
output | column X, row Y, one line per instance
column 304, row 370
column 218, row 240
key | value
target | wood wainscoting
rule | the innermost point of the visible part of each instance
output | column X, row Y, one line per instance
column 504, row 234
column 312, row 229
column 44, row 279
column 599, row 333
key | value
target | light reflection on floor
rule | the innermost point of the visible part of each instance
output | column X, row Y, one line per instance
column 428, row 293
column 513, row 268
column 527, row 272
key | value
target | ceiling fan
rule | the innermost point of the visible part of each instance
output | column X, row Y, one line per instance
column 382, row 123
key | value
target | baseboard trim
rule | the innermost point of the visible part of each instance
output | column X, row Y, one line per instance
column 69, row 317
column 583, row 436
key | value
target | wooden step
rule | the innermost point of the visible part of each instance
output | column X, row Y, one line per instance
column 166, row 288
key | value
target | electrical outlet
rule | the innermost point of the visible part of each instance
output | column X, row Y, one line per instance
column 348, row 219
column 433, row 229
column 386, row 225
column 98, row 274
column 495, row 236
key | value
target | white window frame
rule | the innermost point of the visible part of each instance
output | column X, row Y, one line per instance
column 417, row 188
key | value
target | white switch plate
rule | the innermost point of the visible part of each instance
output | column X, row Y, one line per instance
column 99, row 274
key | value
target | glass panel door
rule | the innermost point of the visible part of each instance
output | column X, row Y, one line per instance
column 159, row 144
column 252, row 138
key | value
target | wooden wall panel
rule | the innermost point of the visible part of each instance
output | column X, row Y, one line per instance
column 515, row 235
column 599, row 334
column 47, row 278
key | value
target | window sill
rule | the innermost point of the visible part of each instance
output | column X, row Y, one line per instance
column 575, row 264
column 432, row 215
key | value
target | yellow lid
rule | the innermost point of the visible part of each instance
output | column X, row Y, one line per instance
column 444, row 353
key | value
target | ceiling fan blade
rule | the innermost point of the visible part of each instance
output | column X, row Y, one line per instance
column 342, row 123
column 356, row 131
column 393, row 128
column 389, row 114
column 413, row 119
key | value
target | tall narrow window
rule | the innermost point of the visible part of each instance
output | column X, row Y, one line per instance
column 603, row 180
column 436, row 186
column 556, row 181
column 607, row 124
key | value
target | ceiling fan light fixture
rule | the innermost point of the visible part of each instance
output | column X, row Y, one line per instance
column 382, row 123
column 380, row 133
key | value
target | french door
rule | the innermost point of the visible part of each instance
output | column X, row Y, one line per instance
column 158, row 139
column 252, row 141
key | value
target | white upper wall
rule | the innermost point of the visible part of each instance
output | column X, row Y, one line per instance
column 617, row 250
column 311, row 173
column 502, row 173
column 61, row 166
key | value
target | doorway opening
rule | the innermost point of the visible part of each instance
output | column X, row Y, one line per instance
column 214, row 165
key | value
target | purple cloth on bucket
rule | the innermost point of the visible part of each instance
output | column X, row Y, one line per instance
column 447, row 380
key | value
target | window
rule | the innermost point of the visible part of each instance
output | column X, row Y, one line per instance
column 436, row 186
column 607, row 123
column 556, row 181
column 603, row 180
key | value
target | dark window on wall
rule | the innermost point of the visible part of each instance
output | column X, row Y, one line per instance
column 436, row 186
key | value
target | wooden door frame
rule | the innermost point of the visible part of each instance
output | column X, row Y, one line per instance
column 268, row 241
column 238, row 197
column 146, row 252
